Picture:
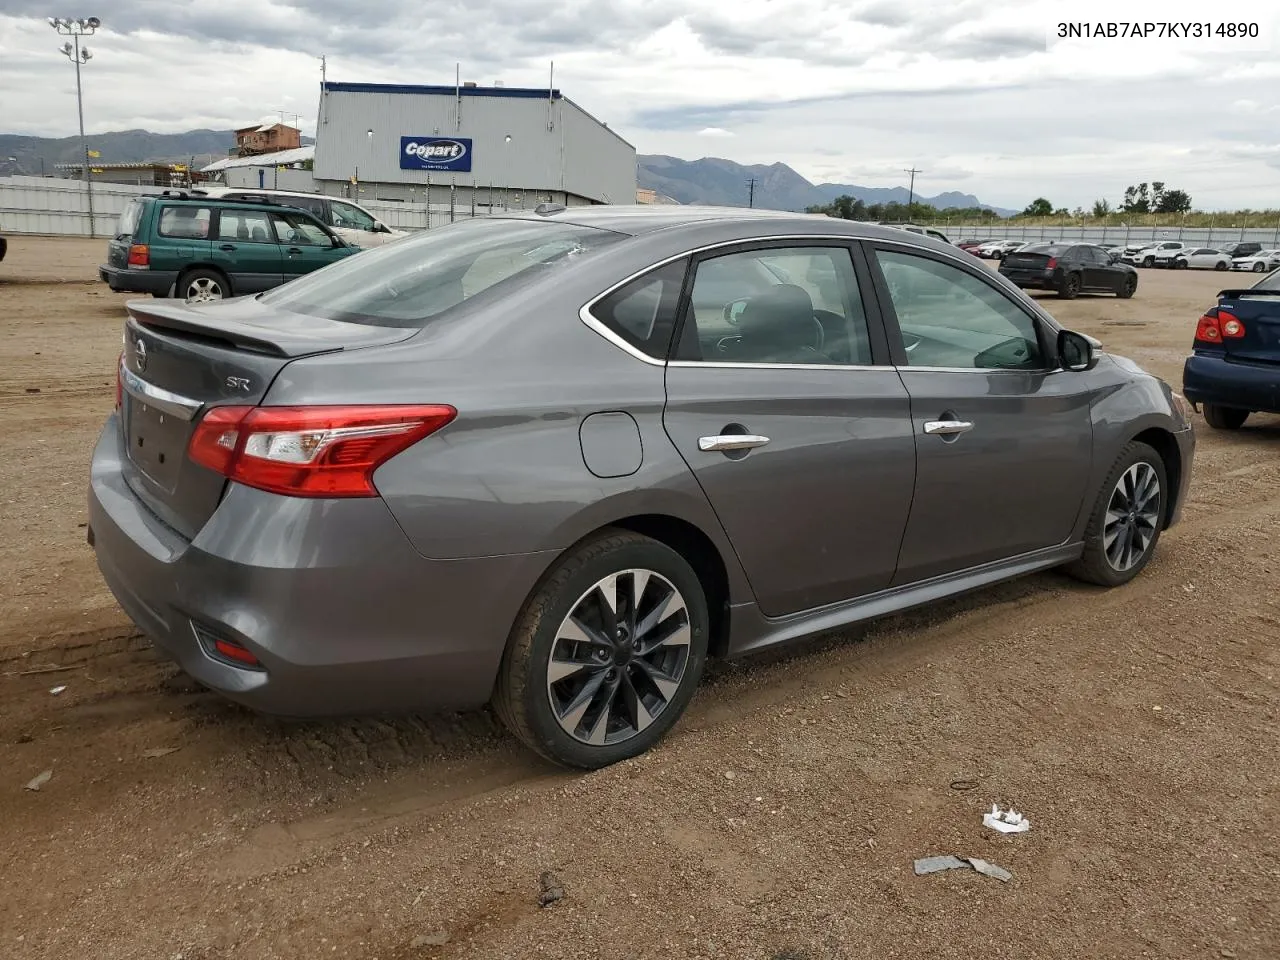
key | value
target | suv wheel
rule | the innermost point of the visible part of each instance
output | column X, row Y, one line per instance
column 607, row 653
column 203, row 286
column 1148, row 261
column 1224, row 418
column 1127, row 517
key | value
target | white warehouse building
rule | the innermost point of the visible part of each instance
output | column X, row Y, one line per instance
column 472, row 146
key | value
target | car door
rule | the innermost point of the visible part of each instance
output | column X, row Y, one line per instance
column 245, row 249
column 304, row 245
column 1003, row 438
column 1099, row 274
column 794, row 423
column 181, row 237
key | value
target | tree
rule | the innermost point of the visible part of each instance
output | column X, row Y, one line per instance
column 1101, row 208
column 1174, row 201
column 1157, row 193
column 1039, row 207
column 1136, row 199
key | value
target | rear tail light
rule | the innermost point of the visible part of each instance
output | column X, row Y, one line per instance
column 1216, row 326
column 139, row 255
column 310, row 451
column 1052, row 264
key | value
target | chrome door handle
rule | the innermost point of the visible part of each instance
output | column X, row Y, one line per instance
column 947, row 428
column 731, row 441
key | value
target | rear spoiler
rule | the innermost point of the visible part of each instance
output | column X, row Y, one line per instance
column 1247, row 292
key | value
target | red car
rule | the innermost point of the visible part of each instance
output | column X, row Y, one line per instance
column 971, row 246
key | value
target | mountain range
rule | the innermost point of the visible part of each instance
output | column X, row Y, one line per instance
column 719, row 182
column 34, row 155
column 710, row 180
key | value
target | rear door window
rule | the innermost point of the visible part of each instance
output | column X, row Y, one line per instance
column 185, row 222
column 245, row 226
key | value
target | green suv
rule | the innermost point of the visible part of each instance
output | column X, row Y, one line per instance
column 201, row 248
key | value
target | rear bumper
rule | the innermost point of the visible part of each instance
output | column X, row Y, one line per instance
column 1186, row 440
column 344, row 616
column 1247, row 386
column 155, row 282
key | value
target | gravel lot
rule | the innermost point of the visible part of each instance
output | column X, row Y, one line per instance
column 1137, row 729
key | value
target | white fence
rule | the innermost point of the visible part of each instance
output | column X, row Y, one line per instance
column 1115, row 236
column 47, row 205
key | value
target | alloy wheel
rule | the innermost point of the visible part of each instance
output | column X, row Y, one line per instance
column 619, row 657
column 203, row 290
column 1133, row 516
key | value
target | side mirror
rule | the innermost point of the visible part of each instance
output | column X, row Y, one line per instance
column 1076, row 351
column 380, row 227
column 337, row 241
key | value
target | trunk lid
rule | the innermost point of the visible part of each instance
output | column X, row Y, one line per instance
column 181, row 360
column 1259, row 311
column 1027, row 261
column 126, row 227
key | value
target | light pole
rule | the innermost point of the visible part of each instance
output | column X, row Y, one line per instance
column 75, row 29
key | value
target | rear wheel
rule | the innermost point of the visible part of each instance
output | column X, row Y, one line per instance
column 203, row 286
column 1220, row 265
column 607, row 653
column 1069, row 288
column 1224, row 418
column 1127, row 517
column 1129, row 287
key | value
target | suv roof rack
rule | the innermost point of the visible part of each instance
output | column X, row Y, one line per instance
column 202, row 196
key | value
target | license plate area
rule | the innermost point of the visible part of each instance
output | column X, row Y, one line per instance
column 156, row 442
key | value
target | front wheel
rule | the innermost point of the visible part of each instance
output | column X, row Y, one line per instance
column 1224, row 418
column 1259, row 268
column 1127, row 517
column 606, row 654
column 1148, row 261
column 1219, row 265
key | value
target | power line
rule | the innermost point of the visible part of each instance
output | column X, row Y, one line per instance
column 751, row 192
column 911, row 192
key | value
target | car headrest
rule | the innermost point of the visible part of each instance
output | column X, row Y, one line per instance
column 782, row 315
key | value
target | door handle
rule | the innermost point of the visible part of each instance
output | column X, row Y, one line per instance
column 227, row 246
column 294, row 250
column 946, row 428
column 731, row 441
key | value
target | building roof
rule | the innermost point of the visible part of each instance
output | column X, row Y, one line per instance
column 527, row 93
column 279, row 158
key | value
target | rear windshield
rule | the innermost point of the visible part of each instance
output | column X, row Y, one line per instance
column 405, row 283
column 1047, row 249
column 128, row 222
column 1270, row 282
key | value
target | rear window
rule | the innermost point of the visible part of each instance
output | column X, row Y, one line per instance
column 129, row 218
column 406, row 283
column 1046, row 249
column 1270, row 282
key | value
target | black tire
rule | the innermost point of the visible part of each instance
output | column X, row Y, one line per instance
column 1129, row 287
column 1219, row 265
column 213, row 281
column 1094, row 565
column 1224, row 418
column 1069, row 286
column 523, row 694
column 1259, row 268
column 1179, row 264
column 1148, row 261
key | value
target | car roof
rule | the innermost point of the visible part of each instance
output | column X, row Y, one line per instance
column 223, row 204
column 638, row 219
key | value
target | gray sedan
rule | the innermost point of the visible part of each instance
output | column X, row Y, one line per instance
column 555, row 461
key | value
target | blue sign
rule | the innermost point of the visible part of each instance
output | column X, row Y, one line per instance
column 436, row 153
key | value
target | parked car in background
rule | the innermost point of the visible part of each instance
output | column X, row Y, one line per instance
column 198, row 248
column 1261, row 262
column 1202, row 258
column 999, row 248
column 511, row 459
column 352, row 222
column 1069, row 269
column 1234, row 367
column 915, row 228
column 1119, row 252
column 971, row 246
column 1241, row 249
column 1146, row 257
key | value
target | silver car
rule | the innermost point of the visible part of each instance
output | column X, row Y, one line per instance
column 555, row 461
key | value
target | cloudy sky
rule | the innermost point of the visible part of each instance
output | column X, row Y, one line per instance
column 976, row 94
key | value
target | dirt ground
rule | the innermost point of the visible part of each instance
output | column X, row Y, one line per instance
column 1136, row 728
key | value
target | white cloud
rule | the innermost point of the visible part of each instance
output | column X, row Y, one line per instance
column 843, row 90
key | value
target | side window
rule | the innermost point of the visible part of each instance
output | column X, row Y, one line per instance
column 185, row 222
column 950, row 318
column 643, row 312
column 299, row 230
column 777, row 305
column 350, row 217
column 247, row 226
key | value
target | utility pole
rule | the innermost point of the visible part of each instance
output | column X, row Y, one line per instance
column 751, row 192
column 911, row 191
column 75, row 29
